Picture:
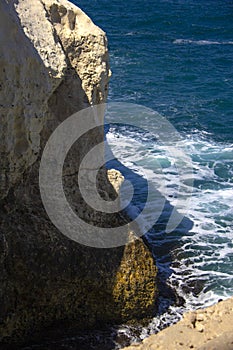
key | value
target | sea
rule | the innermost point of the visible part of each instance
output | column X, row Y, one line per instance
column 173, row 58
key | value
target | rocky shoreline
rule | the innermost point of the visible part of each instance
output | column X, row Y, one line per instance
column 54, row 62
column 210, row 328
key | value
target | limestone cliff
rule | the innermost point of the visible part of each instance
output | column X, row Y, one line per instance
column 205, row 329
column 54, row 62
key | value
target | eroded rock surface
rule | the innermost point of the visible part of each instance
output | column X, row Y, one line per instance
column 204, row 329
column 53, row 63
column 50, row 68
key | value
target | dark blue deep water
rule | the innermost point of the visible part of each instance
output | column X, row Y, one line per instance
column 175, row 57
column 172, row 56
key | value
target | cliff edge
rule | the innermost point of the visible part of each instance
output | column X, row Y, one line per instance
column 205, row 329
column 53, row 63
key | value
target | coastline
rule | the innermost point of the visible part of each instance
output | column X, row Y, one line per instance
column 48, row 280
column 204, row 329
column 18, row 209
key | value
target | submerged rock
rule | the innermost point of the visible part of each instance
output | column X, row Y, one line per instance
column 54, row 62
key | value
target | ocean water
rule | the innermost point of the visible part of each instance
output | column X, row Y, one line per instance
column 175, row 57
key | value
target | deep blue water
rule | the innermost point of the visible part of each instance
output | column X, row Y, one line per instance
column 172, row 56
column 176, row 57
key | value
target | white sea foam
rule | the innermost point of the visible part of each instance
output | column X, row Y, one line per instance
column 201, row 42
column 201, row 261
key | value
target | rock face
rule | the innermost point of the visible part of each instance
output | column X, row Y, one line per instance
column 204, row 329
column 54, row 62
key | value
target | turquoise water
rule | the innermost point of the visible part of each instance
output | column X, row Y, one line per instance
column 175, row 57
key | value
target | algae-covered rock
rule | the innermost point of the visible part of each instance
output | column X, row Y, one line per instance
column 54, row 62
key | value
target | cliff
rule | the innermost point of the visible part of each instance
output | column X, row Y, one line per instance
column 205, row 329
column 54, row 62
